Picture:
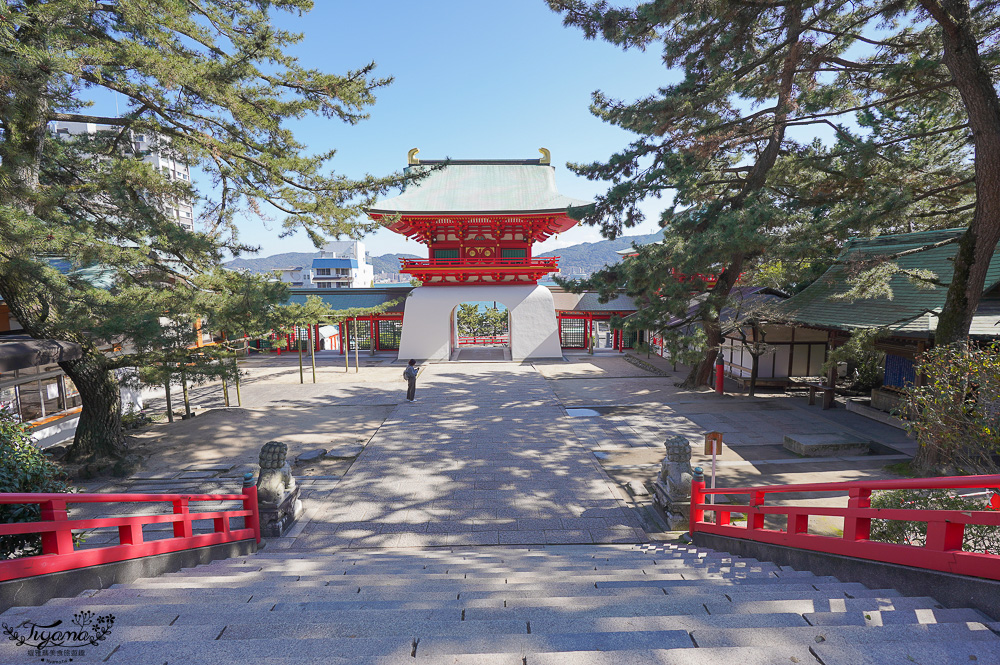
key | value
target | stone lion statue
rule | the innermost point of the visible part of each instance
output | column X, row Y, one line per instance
column 676, row 472
column 275, row 473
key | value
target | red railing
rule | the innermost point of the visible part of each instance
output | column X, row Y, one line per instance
column 56, row 529
column 468, row 262
column 482, row 340
column 945, row 528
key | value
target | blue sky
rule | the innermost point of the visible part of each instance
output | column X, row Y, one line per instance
column 472, row 80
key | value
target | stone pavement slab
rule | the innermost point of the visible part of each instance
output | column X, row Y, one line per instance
column 486, row 455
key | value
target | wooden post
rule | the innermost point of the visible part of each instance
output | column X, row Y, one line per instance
column 357, row 363
column 831, row 382
column 170, row 408
column 312, row 349
column 225, row 391
column 239, row 400
column 187, row 401
column 298, row 345
column 697, row 498
column 252, row 520
column 55, row 542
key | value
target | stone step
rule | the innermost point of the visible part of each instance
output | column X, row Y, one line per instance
column 125, row 595
column 425, row 560
column 936, row 652
column 762, row 637
column 469, row 599
column 894, row 617
column 680, row 656
column 457, row 582
column 507, row 578
column 293, row 585
column 527, row 608
column 459, row 571
column 555, row 642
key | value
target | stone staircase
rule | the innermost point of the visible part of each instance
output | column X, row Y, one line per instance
column 556, row 605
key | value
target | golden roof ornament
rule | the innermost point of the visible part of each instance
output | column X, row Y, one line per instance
column 546, row 156
column 411, row 157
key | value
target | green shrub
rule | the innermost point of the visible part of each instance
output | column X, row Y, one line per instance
column 978, row 538
column 23, row 468
column 957, row 410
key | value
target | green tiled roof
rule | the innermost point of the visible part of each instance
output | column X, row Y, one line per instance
column 589, row 302
column 481, row 187
column 911, row 309
column 355, row 298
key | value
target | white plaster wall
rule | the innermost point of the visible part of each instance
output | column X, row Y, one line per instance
column 428, row 313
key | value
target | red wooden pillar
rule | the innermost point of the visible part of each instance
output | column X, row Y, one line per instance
column 316, row 336
column 858, row 528
column 697, row 498
column 183, row 528
column 252, row 520
column 56, row 542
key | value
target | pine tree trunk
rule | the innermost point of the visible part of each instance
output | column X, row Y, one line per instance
column 99, row 432
column 754, row 364
column 170, row 408
column 979, row 95
column 701, row 374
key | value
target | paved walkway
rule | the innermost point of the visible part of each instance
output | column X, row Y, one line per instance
column 486, row 455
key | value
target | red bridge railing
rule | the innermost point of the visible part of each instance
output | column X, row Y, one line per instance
column 56, row 529
column 482, row 340
column 941, row 551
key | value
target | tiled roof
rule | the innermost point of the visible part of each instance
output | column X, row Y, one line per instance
column 588, row 302
column 911, row 310
column 480, row 187
column 356, row 298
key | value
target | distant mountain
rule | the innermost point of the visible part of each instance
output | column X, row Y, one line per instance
column 389, row 262
column 268, row 263
column 587, row 257
column 384, row 263
column 592, row 256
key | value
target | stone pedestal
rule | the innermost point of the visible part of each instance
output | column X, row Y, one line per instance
column 673, row 484
column 277, row 492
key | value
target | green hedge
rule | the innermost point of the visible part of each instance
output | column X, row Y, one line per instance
column 23, row 468
column 978, row 538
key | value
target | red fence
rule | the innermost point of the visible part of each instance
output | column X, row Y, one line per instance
column 483, row 340
column 56, row 529
column 945, row 528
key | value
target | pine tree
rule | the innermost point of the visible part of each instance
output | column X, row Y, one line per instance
column 754, row 190
column 749, row 73
column 212, row 82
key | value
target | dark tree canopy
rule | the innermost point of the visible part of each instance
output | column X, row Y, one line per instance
column 793, row 126
column 209, row 83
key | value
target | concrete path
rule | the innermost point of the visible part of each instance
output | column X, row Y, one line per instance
column 485, row 456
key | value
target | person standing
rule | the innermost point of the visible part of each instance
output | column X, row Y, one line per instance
column 410, row 374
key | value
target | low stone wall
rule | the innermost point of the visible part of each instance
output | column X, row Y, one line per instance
column 886, row 400
column 37, row 590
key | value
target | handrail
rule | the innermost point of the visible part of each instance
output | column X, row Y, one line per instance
column 470, row 340
column 942, row 549
column 545, row 261
column 56, row 529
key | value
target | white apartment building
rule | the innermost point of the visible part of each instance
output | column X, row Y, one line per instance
column 181, row 212
column 342, row 264
column 295, row 277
